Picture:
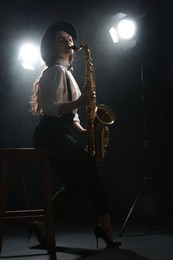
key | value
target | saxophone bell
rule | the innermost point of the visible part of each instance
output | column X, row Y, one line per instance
column 105, row 114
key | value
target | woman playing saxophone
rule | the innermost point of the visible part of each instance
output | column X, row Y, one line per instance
column 56, row 99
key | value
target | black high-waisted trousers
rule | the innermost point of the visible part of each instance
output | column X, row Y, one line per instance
column 74, row 166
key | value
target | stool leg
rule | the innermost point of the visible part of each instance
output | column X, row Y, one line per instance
column 3, row 196
column 48, row 208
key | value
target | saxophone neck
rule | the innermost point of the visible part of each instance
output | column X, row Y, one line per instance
column 82, row 46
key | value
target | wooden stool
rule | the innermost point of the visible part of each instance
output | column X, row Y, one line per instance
column 32, row 155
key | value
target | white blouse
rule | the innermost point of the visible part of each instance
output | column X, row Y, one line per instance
column 52, row 89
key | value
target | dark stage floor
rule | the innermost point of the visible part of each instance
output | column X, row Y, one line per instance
column 76, row 241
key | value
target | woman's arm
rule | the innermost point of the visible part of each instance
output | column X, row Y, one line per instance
column 77, row 126
column 85, row 98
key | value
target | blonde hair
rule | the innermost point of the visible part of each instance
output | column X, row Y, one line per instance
column 35, row 109
column 34, row 100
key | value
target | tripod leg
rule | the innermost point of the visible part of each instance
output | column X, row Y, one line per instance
column 133, row 205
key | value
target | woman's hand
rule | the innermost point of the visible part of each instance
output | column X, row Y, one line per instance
column 87, row 96
column 77, row 126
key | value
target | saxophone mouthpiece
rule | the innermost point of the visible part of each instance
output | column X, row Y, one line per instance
column 73, row 48
column 77, row 48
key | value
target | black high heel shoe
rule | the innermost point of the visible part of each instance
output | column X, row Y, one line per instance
column 34, row 228
column 100, row 233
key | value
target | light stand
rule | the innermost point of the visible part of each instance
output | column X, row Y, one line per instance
column 146, row 178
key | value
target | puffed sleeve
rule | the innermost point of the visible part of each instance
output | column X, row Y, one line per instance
column 52, row 91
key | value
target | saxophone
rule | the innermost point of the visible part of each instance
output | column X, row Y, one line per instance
column 98, row 117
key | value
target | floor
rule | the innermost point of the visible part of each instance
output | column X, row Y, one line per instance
column 76, row 241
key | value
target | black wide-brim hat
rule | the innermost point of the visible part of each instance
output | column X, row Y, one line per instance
column 48, row 40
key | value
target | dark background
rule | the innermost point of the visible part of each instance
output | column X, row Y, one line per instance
column 136, row 84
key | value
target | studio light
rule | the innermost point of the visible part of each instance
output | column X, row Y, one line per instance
column 126, row 29
column 123, row 30
column 29, row 56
